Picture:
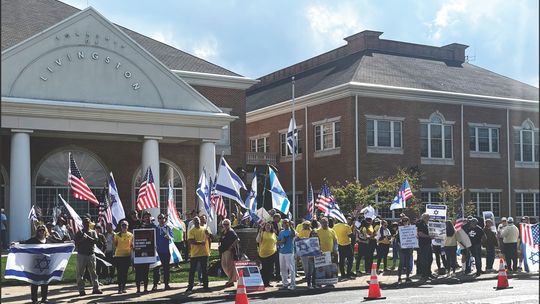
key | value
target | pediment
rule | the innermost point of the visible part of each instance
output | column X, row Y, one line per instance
column 85, row 58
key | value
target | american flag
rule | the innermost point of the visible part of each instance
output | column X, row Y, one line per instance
column 147, row 197
column 327, row 204
column 310, row 204
column 105, row 212
column 459, row 218
column 218, row 204
column 529, row 234
column 78, row 184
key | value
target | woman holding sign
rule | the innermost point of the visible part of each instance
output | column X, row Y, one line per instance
column 404, row 253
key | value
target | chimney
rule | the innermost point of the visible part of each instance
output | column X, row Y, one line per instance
column 362, row 41
column 455, row 51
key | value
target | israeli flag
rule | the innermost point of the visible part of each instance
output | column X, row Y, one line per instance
column 280, row 201
column 117, row 209
column 228, row 183
column 203, row 192
column 292, row 137
column 38, row 263
column 251, row 200
column 176, row 257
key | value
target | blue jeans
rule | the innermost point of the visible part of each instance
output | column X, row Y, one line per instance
column 490, row 258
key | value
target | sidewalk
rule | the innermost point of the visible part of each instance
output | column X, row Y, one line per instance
column 69, row 294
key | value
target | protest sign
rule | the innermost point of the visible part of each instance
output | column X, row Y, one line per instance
column 144, row 246
column 436, row 212
column 491, row 216
column 307, row 247
column 437, row 230
column 407, row 236
column 252, row 275
column 326, row 272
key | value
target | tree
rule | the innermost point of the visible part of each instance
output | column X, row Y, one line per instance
column 451, row 197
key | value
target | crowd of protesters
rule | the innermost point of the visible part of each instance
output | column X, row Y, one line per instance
column 361, row 240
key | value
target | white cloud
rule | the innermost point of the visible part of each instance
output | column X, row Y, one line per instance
column 329, row 25
column 206, row 48
column 164, row 37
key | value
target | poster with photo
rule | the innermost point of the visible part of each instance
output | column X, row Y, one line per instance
column 144, row 246
column 326, row 272
column 252, row 275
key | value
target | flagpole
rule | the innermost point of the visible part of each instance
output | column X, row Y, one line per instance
column 295, row 211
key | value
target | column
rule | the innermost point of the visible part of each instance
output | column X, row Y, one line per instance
column 207, row 160
column 20, row 192
column 150, row 157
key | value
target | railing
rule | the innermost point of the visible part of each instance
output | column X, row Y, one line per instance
column 261, row 158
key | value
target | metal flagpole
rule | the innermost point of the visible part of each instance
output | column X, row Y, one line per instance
column 295, row 211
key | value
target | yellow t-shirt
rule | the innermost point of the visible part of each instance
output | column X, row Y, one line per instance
column 267, row 246
column 342, row 233
column 198, row 235
column 303, row 233
column 298, row 228
column 326, row 239
column 123, row 245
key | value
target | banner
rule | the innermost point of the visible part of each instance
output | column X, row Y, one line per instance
column 144, row 246
column 38, row 264
column 437, row 230
column 491, row 216
column 436, row 212
column 407, row 236
column 326, row 272
column 307, row 247
column 252, row 275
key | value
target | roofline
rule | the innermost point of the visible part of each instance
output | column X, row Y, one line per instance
column 216, row 80
column 391, row 92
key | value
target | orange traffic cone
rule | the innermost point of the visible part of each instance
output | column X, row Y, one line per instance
column 241, row 296
column 374, row 290
column 502, row 279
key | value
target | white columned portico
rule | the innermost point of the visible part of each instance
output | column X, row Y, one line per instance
column 207, row 161
column 150, row 157
column 20, row 194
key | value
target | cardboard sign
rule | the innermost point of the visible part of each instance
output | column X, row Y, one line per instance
column 491, row 216
column 307, row 247
column 407, row 236
column 436, row 212
column 324, row 259
column 437, row 230
column 252, row 275
column 144, row 246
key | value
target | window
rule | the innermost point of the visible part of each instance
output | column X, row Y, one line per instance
column 383, row 207
column 51, row 180
column 527, row 203
column 436, row 138
column 484, row 139
column 167, row 173
column 486, row 201
column 284, row 149
column 259, row 145
column 430, row 197
column 327, row 136
column 526, row 143
column 224, row 144
column 383, row 133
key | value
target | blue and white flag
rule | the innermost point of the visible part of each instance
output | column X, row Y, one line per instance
column 32, row 215
column 292, row 136
column 251, row 200
column 203, row 192
column 228, row 183
column 116, row 206
column 38, row 263
column 280, row 201
column 176, row 257
column 402, row 196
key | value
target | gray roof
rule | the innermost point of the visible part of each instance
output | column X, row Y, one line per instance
column 22, row 19
column 392, row 70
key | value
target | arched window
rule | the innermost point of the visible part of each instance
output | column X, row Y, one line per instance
column 52, row 177
column 436, row 137
column 526, row 143
column 167, row 172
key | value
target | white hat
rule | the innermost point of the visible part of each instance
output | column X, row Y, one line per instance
column 510, row 219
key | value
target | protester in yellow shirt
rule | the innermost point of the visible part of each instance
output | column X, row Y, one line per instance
column 327, row 239
column 123, row 242
column 267, row 240
column 198, row 238
column 383, row 238
column 345, row 250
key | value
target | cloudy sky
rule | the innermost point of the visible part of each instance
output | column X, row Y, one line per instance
column 254, row 38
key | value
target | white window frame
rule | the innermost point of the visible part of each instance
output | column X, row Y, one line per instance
column 477, row 202
column 288, row 155
column 392, row 149
column 326, row 151
column 264, row 137
column 429, row 160
column 377, row 201
column 519, row 204
column 224, row 144
column 488, row 154
column 526, row 126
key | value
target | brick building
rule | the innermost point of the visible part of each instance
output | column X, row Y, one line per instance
column 74, row 82
column 372, row 105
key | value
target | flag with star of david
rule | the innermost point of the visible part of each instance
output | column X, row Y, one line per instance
column 529, row 246
column 38, row 263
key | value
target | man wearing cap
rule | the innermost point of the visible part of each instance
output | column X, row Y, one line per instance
column 475, row 234
column 510, row 235
column 286, row 255
column 85, row 240
column 500, row 228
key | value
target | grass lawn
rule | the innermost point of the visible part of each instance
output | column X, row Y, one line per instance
column 177, row 275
